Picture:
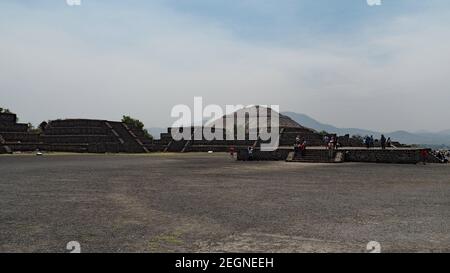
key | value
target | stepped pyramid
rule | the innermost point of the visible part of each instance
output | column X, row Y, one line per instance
column 249, row 117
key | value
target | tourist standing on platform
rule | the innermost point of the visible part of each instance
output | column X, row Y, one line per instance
column 232, row 150
column 332, row 142
column 424, row 156
column 303, row 148
column 383, row 142
column 326, row 140
column 250, row 153
column 297, row 145
column 389, row 142
column 367, row 142
column 331, row 148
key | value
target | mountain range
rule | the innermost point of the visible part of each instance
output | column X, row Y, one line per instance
column 432, row 139
column 424, row 138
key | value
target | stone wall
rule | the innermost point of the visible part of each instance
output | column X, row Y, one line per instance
column 93, row 136
column 72, row 135
column 8, row 118
column 398, row 156
column 258, row 155
column 15, row 136
column 287, row 138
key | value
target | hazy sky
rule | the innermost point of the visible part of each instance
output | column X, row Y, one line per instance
column 342, row 62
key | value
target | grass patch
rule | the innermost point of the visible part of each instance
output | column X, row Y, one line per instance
column 165, row 241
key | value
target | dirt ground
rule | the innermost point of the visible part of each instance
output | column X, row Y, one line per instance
column 210, row 203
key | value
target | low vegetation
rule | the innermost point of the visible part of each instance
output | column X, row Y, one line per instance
column 136, row 123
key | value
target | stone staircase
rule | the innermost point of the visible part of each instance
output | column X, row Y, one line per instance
column 136, row 138
column 3, row 147
column 130, row 142
column 316, row 156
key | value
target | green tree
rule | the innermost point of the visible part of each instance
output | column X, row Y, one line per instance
column 136, row 123
column 5, row 110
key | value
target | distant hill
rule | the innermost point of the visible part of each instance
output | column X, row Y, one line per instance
column 421, row 137
column 445, row 132
column 309, row 122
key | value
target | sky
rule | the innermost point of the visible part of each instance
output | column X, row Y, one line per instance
column 345, row 63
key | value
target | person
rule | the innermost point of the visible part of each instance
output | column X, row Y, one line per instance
column 331, row 148
column 441, row 156
column 250, row 153
column 303, row 148
column 389, row 142
column 367, row 142
column 372, row 141
column 424, row 156
column 332, row 144
column 232, row 151
column 383, row 142
column 326, row 140
column 297, row 145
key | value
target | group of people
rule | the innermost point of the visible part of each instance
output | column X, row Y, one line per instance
column 442, row 155
column 300, row 146
column 369, row 141
column 331, row 142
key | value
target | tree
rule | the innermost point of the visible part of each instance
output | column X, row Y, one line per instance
column 32, row 129
column 136, row 123
column 358, row 137
column 43, row 125
column 5, row 110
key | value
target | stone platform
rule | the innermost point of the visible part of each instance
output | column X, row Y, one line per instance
column 344, row 154
column 72, row 135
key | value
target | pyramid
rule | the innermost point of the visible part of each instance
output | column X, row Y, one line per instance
column 251, row 118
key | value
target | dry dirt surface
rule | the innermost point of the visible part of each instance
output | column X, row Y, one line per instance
column 211, row 203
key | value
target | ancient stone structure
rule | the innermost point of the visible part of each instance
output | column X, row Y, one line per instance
column 102, row 136
column 288, row 131
column 93, row 136
column 16, row 136
column 348, row 154
column 73, row 135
